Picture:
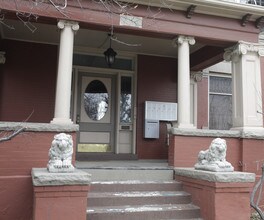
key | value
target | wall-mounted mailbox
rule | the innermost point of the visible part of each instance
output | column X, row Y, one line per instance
column 156, row 112
column 151, row 129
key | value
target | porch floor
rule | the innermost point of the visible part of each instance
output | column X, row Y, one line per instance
column 125, row 164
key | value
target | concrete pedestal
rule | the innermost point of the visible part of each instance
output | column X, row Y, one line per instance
column 60, row 195
column 220, row 195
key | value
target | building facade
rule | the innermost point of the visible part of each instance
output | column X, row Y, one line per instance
column 54, row 78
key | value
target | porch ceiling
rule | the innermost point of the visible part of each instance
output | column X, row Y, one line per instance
column 97, row 41
column 92, row 39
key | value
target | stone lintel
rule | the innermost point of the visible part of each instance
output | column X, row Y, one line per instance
column 42, row 177
column 219, row 177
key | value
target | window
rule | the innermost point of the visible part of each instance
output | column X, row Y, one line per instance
column 96, row 100
column 220, row 103
column 126, row 99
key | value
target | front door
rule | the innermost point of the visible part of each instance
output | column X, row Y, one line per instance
column 96, row 113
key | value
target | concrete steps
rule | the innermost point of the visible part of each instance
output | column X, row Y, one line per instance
column 124, row 174
column 139, row 199
column 144, row 170
column 159, row 211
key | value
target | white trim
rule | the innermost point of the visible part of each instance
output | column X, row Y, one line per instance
column 194, row 102
column 118, row 91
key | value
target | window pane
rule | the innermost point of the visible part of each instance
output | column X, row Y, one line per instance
column 99, row 61
column 126, row 99
column 220, row 112
column 96, row 100
column 220, row 84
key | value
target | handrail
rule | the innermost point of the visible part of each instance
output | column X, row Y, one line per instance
column 258, row 188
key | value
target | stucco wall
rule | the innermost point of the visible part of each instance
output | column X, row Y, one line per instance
column 27, row 81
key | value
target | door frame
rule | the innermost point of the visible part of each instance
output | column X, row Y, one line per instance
column 118, row 74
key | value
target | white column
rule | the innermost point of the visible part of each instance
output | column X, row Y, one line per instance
column 246, row 85
column 64, row 77
column 184, row 101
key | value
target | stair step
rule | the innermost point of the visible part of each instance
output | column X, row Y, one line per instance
column 124, row 174
column 144, row 212
column 138, row 198
column 135, row 185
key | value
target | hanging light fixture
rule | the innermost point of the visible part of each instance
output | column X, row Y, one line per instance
column 110, row 54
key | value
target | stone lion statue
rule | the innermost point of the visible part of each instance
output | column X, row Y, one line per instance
column 60, row 154
column 214, row 158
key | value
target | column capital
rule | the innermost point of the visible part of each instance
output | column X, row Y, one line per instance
column 181, row 39
column 242, row 48
column 63, row 23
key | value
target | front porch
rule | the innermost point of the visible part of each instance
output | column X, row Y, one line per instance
column 46, row 80
column 244, row 152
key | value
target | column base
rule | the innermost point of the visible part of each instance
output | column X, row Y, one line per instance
column 62, row 121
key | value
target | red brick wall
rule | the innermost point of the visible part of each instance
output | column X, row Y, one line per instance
column 17, row 157
column 27, row 81
column 156, row 82
column 244, row 154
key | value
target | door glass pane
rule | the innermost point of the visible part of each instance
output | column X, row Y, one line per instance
column 125, row 100
column 96, row 100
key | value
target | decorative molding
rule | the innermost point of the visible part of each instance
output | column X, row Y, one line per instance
column 190, row 11
column 245, row 19
column 259, row 22
column 242, row 48
column 74, row 25
column 2, row 57
column 197, row 76
column 181, row 39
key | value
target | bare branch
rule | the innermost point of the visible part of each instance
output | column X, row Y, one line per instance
column 8, row 135
column 2, row 21
column 114, row 38
column 13, row 134
column 26, row 22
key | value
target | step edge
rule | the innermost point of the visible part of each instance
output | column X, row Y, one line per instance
column 145, row 208
column 134, row 194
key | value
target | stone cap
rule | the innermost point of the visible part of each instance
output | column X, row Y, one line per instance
column 256, row 133
column 42, row 177
column 221, row 177
column 38, row 127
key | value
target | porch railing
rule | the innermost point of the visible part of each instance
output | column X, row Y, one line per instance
column 257, row 194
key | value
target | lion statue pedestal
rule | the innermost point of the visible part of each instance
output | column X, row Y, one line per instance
column 60, row 154
column 214, row 158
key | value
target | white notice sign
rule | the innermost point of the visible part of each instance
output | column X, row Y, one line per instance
column 132, row 21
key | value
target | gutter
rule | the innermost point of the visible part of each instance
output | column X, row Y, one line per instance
column 224, row 8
